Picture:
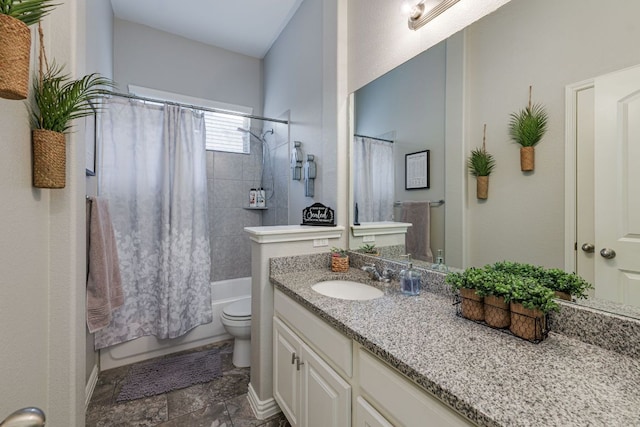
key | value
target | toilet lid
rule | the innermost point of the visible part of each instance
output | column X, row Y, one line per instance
column 240, row 308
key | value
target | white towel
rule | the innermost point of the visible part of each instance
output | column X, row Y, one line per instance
column 418, row 237
column 104, row 285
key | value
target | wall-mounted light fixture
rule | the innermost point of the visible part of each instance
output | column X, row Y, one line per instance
column 419, row 12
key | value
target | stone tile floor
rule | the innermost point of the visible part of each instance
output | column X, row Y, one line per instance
column 219, row 403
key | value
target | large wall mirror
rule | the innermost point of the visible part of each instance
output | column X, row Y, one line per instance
column 405, row 111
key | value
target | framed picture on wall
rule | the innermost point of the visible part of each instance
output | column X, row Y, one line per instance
column 91, row 140
column 416, row 169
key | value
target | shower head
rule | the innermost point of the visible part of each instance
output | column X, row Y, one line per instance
column 268, row 131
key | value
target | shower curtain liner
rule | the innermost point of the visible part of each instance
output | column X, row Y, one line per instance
column 373, row 179
column 153, row 172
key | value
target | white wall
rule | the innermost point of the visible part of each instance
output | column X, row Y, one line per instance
column 155, row 59
column 547, row 44
column 300, row 76
column 42, row 261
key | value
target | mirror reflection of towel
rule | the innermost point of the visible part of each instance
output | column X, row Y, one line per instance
column 418, row 237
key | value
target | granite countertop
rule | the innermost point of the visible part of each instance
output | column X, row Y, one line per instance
column 493, row 378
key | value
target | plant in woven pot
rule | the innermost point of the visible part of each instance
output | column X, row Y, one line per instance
column 369, row 249
column 58, row 100
column 496, row 287
column 527, row 127
column 565, row 285
column 471, row 304
column 15, row 50
column 480, row 165
column 339, row 260
column 530, row 302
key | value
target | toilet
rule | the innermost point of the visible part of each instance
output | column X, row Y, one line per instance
column 236, row 319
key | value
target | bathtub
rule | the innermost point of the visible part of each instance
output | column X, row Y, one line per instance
column 222, row 293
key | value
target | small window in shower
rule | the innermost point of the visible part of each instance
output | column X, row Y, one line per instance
column 222, row 127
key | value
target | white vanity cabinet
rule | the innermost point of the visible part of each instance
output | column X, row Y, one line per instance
column 308, row 391
column 316, row 368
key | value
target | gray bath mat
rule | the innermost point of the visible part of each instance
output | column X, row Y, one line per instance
column 170, row 373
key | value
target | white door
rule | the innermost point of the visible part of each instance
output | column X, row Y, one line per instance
column 367, row 416
column 326, row 397
column 617, row 186
column 286, row 378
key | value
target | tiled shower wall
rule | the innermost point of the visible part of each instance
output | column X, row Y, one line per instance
column 230, row 176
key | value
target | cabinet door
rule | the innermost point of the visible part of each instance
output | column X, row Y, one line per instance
column 367, row 416
column 326, row 397
column 286, row 379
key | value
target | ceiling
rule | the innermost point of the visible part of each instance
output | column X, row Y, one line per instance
column 248, row 27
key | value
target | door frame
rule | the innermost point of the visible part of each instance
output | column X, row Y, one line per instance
column 570, row 184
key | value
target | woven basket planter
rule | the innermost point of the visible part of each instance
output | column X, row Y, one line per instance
column 340, row 264
column 527, row 159
column 482, row 187
column 496, row 312
column 472, row 305
column 527, row 323
column 49, row 159
column 15, row 52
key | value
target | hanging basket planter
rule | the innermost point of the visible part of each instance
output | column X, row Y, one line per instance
column 527, row 159
column 15, row 53
column 482, row 187
column 49, row 159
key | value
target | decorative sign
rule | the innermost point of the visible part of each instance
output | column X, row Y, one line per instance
column 416, row 170
column 318, row 214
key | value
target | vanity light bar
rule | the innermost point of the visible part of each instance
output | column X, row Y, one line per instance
column 428, row 15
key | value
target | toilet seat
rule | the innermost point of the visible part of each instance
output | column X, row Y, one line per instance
column 238, row 311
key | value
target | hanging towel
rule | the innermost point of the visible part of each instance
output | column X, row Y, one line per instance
column 418, row 237
column 104, row 285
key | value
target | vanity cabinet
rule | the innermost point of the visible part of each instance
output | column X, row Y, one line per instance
column 308, row 390
column 316, row 370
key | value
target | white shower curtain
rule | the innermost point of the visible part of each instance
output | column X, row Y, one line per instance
column 373, row 179
column 153, row 173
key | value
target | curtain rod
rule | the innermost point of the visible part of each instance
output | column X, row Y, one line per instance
column 433, row 204
column 371, row 137
column 195, row 107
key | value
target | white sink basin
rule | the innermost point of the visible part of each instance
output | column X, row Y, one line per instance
column 346, row 289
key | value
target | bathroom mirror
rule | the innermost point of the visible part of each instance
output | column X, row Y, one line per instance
column 409, row 105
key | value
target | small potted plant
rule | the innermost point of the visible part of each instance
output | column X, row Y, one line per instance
column 495, row 286
column 527, row 127
column 58, row 100
column 530, row 302
column 15, row 50
column 565, row 285
column 369, row 249
column 471, row 304
column 339, row 260
column 480, row 165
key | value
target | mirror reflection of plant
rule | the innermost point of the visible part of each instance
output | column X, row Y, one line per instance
column 368, row 249
column 561, row 281
column 58, row 99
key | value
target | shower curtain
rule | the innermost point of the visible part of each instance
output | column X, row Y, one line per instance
column 373, row 179
column 153, row 173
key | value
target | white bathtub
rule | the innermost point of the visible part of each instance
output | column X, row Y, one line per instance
column 222, row 293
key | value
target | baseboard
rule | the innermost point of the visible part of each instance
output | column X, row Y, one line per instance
column 262, row 409
column 91, row 385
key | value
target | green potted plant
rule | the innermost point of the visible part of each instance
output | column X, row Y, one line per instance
column 565, row 285
column 58, row 100
column 495, row 286
column 339, row 260
column 530, row 302
column 471, row 304
column 481, row 163
column 15, row 50
column 369, row 249
column 527, row 127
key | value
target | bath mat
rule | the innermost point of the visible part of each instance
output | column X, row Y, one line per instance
column 170, row 373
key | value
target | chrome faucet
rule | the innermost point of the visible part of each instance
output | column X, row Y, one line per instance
column 385, row 276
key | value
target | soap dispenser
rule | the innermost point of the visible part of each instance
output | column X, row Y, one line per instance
column 440, row 265
column 410, row 279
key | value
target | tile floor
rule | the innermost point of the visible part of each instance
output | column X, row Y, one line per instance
column 219, row 403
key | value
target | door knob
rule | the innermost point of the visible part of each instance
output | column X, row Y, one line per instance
column 588, row 248
column 608, row 253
